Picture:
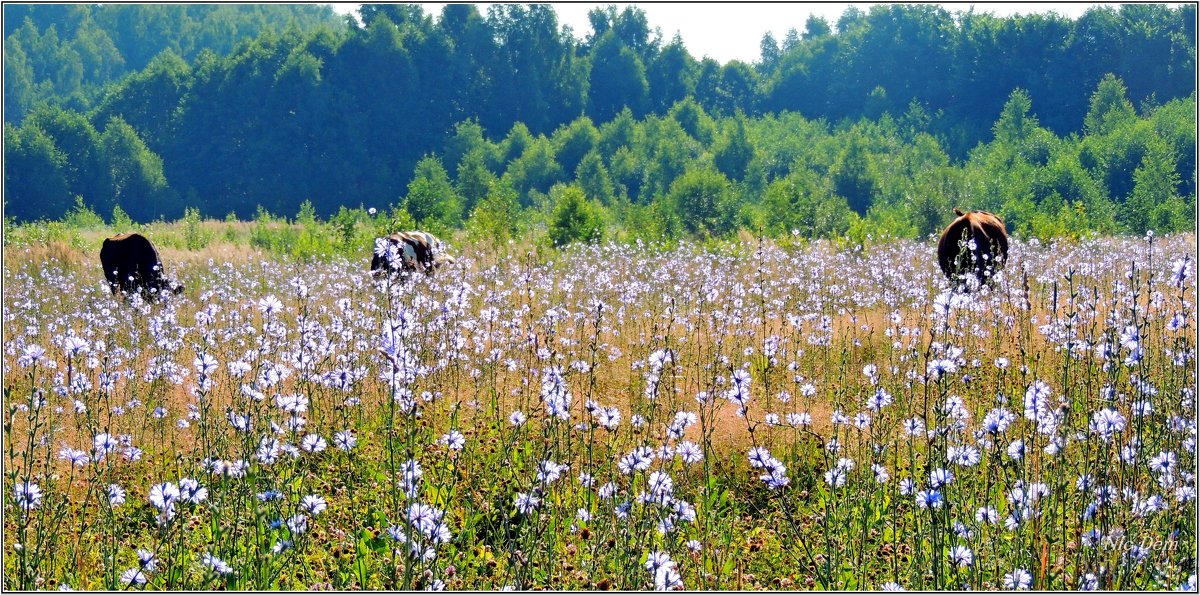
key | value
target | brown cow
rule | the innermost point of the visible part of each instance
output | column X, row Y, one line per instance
column 975, row 242
column 408, row 251
column 131, row 264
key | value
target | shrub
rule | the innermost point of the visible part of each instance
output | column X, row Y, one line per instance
column 195, row 237
column 574, row 218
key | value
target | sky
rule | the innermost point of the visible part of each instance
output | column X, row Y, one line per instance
column 733, row 30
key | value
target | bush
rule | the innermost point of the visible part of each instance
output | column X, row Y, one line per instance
column 195, row 237
column 82, row 217
column 574, row 218
column 121, row 223
column 345, row 229
column 701, row 198
column 497, row 216
column 271, row 234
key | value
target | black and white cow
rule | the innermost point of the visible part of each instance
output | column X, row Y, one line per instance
column 409, row 251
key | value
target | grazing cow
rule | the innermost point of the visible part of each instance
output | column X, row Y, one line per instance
column 975, row 241
column 131, row 264
column 408, row 251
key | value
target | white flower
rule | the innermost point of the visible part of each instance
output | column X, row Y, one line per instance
column 116, row 495
column 163, row 495
column 218, row 565
column 205, row 364
column 454, row 440
column 516, row 418
column 1180, row 272
column 270, row 305
column 313, row 443
column 961, row 556
column 133, row 577
column 27, row 495
column 104, row 444
column 689, row 453
column 345, row 440
column 192, row 491
column 526, row 502
column 1018, row 580
column 313, row 504
column 30, row 355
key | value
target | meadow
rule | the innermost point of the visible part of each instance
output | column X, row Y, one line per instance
column 756, row 415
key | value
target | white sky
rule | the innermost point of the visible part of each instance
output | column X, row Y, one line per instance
column 733, row 30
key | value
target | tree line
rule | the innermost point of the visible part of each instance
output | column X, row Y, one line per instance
column 888, row 123
column 65, row 53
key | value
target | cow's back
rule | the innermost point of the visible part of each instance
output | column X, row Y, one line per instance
column 420, row 246
column 988, row 233
column 129, row 255
column 948, row 245
column 419, row 250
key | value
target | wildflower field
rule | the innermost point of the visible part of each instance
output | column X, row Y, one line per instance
column 758, row 416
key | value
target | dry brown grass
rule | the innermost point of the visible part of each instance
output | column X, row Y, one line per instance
column 617, row 381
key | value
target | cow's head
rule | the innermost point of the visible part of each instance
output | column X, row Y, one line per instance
column 440, row 260
column 163, row 285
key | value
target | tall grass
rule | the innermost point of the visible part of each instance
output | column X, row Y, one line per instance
column 625, row 417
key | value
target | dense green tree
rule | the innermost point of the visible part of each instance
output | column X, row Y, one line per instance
column 575, row 219
column 768, row 52
column 1175, row 123
column 693, row 120
column 398, row 14
column 1114, row 157
column 537, row 80
column 617, row 80
column 724, row 89
column 147, row 100
column 474, row 55
column 1015, row 123
column 904, row 111
column 665, row 152
column 431, row 199
column 473, row 180
column 815, row 27
column 515, row 144
column 1153, row 203
column 65, row 53
column 854, row 176
column 671, row 75
column 19, row 91
column 626, row 173
column 497, row 217
column 801, row 204
column 619, row 132
column 573, row 141
column 35, row 180
column 630, row 26
column 136, row 175
column 535, row 170
column 74, row 135
column 1108, row 109
column 467, row 138
column 592, row 177
column 733, row 152
column 701, row 200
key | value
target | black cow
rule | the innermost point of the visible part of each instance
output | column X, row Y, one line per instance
column 131, row 264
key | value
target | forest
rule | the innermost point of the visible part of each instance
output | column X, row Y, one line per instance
column 883, row 121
